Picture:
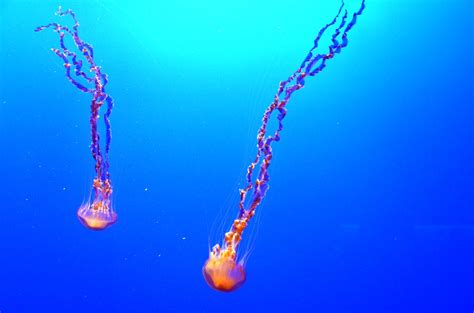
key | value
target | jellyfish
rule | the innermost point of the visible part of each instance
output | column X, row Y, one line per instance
column 98, row 214
column 223, row 271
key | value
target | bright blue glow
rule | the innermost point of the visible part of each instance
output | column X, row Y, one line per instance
column 371, row 201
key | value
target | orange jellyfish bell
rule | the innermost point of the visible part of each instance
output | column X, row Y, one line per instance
column 223, row 273
column 96, row 216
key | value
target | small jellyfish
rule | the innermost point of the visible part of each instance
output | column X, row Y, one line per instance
column 99, row 214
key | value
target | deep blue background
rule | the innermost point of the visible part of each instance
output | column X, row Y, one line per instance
column 371, row 205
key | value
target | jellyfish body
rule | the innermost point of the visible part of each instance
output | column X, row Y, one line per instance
column 98, row 214
column 222, row 270
column 223, row 273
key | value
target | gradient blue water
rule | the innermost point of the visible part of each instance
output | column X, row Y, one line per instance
column 371, row 202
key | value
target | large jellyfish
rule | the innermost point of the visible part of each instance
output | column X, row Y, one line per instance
column 223, row 271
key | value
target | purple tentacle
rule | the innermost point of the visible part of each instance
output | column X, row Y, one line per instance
column 98, row 82
column 286, row 88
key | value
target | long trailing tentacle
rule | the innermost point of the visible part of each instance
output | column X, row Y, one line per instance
column 98, row 81
column 320, row 34
column 311, row 65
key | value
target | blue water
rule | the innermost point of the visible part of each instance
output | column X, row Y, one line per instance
column 371, row 200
